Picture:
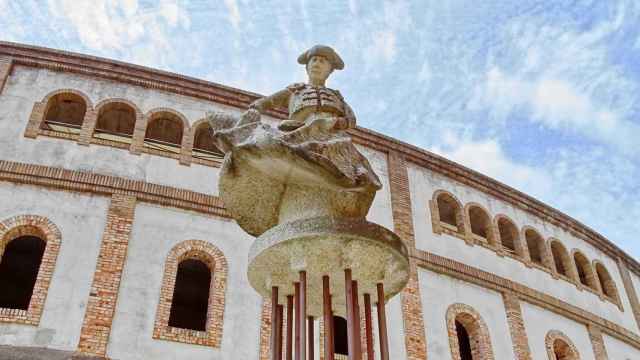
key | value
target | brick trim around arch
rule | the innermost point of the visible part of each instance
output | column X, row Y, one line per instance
column 551, row 338
column 214, row 258
column 34, row 225
column 476, row 327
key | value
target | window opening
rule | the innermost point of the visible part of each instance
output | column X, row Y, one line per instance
column 116, row 121
column 65, row 113
column 534, row 244
column 508, row 234
column 480, row 222
column 191, row 296
column 203, row 145
column 19, row 268
column 464, row 342
column 164, row 132
column 448, row 209
column 340, row 340
column 560, row 257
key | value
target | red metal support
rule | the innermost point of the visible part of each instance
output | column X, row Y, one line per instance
column 348, row 292
column 382, row 324
column 289, row 349
column 357, row 354
column 303, row 314
column 368, row 326
column 296, row 316
column 274, row 322
column 280, row 312
column 328, row 318
column 310, row 337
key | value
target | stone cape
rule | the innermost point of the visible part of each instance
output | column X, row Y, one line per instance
column 261, row 162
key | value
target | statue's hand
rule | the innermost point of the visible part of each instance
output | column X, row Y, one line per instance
column 341, row 123
column 249, row 116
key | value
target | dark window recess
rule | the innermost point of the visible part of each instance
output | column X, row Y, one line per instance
column 191, row 296
column 464, row 343
column 448, row 209
column 340, row 340
column 66, row 109
column 18, row 271
column 166, row 128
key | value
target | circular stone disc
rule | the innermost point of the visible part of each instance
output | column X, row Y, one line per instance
column 327, row 246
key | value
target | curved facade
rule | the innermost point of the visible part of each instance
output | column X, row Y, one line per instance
column 108, row 167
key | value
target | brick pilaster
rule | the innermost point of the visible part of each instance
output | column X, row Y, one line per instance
column 630, row 290
column 98, row 317
column 597, row 342
column 265, row 330
column 6, row 63
column 35, row 120
column 414, row 331
column 516, row 326
column 88, row 126
column 186, row 148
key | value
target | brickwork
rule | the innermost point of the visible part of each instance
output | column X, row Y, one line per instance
column 560, row 347
column 597, row 342
column 6, row 64
column 517, row 330
column 414, row 330
column 103, row 297
column 215, row 260
column 632, row 295
column 477, row 329
column 43, row 228
column 265, row 330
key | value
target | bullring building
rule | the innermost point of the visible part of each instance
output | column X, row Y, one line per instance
column 114, row 243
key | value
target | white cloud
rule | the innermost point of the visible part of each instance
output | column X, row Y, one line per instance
column 488, row 157
column 234, row 13
column 382, row 47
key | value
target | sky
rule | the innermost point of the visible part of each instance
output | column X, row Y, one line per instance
column 542, row 95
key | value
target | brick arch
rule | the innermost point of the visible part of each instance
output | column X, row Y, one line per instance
column 477, row 329
column 517, row 241
column 40, row 109
column 108, row 101
column 179, row 115
column 562, row 257
column 570, row 351
column 490, row 236
column 581, row 262
column 43, row 228
column 137, row 143
column 217, row 263
column 607, row 285
column 439, row 226
column 541, row 247
column 91, row 122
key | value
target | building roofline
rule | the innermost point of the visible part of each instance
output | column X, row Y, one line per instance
column 64, row 61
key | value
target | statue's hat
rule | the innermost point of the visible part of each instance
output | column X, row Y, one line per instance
column 325, row 51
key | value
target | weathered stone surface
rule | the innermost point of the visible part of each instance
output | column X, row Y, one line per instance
column 29, row 353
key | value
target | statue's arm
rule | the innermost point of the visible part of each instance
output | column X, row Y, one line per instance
column 277, row 100
column 349, row 116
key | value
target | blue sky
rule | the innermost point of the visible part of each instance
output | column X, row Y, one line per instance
column 541, row 95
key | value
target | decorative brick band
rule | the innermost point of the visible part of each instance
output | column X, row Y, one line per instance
column 414, row 331
column 487, row 280
column 215, row 260
column 569, row 352
column 98, row 317
column 516, row 326
column 41, row 227
column 632, row 295
column 476, row 328
column 597, row 342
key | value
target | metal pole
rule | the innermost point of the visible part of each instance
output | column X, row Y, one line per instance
column 328, row 317
column 348, row 291
column 296, row 301
column 279, row 330
column 332, row 331
column 382, row 324
column 367, row 326
column 303, row 314
column 289, row 350
column 357, row 324
column 310, row 338
column 274, row 322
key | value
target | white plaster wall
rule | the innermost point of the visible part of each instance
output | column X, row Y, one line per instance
column 380, row 212
column 423, row 183
column 618, row 350
column 538, row 322
column 438, row 292
column 155, row 232
column 81, row 220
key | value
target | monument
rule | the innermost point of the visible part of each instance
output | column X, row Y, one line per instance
column 304, row 190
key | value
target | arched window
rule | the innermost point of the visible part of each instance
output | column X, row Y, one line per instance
column 508, row 234
column 561, row 258
column 340, row 334
column 115, row 121
column 606, row 282
column 585, row 272
column 191, row 296
column 203, row 145
column 19, row 270
column 468, row 334
column 559, row 347
column 191, row 306
column 535, row 245
column 65, row 112
column 164, row 131
column 480, row 223
column 449, row 212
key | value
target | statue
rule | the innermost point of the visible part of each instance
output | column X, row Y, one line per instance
column 304, row 190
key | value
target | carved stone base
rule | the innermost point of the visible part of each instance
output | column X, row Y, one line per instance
column 327, row 246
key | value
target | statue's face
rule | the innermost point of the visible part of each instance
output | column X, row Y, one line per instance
column 319, row 68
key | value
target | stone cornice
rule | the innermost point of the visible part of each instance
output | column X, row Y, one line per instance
column 56, row 60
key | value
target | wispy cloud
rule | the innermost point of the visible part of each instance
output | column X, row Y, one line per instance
column 234, row 13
